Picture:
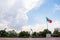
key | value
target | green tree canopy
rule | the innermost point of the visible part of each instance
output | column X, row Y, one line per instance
column 43, row 33
column 56, row 33
column 12, row 33
column 34, row 34
column 3, row 33
column 24, row 34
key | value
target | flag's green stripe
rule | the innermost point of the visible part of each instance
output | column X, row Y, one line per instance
column 47, row 19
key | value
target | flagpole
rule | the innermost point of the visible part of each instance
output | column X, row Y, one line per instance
column 46, row 26
column 50, row 21
column 46, row 23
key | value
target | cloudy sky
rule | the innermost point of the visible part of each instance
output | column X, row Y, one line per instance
column 29, row 14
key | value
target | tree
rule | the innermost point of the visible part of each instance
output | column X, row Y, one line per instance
column 46, row 31
column 34, row 34
column 56, row 33
column 24, row 34
column 3, row 33
column 43, row 33
column 12, row 33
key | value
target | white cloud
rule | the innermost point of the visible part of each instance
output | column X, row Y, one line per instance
column 35, row 28
column 41, row 27
column 13, row 13
column 2, row 26
column 10, row 2
column 29, row 4
column 5, row 5
column 56, row 8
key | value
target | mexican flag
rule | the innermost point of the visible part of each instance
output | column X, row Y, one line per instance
column 48, row 20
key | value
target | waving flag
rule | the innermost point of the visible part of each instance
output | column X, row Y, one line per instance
column 48, row 20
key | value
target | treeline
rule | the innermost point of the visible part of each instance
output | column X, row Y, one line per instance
column 25, row 34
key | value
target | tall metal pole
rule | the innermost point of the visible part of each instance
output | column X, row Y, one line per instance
column 47, row 28
column 47, row 22
column 47, row 25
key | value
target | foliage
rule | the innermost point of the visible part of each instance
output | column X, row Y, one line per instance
column 43, row 33
column 3, row 33
column 12, row 33
column 56, row 33
column 24, row 34
column 34, row 35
